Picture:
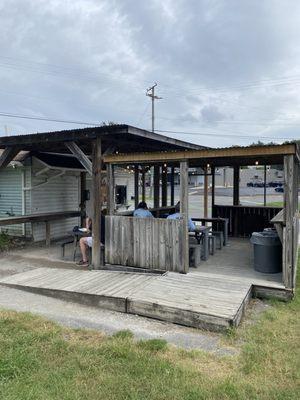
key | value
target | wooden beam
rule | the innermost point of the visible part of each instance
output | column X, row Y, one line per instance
column 52, row 216
column 110, row 190
column 136, row 186
column 48, row 233
column 184, row 210
column 79, row 154
column 172, row 186
column 82, row 196
column 97, row 206
column 205, row 193
column 236, row 185
column 143, row 184
column 251, row 151
column 164, row 186
column 265, row 185
column 8, row 155
column 213, row 184
column 156, row 184
column 290, row 236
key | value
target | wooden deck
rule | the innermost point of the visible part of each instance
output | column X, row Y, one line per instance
column 212, row 296
column 197, row 301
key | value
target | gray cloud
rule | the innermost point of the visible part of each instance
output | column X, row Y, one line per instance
column 226, row 67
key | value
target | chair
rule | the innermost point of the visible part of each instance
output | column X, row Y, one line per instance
column 63, row 243
column 212, row 244
column 220, row 236
column 194, row 255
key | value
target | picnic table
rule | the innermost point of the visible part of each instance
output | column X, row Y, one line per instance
column 218, row 220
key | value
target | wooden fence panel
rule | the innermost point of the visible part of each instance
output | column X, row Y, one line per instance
column 144, row 242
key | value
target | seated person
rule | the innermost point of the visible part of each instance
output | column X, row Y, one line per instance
column 87, row 241
column 142, row 211
column 177, row 215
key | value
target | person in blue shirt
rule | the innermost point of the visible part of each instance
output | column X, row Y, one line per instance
column 142, row 211
column 177, row 215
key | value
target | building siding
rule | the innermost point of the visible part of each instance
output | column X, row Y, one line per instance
column 60, row 194
column 11, row 197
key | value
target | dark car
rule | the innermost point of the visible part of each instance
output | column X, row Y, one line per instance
column 258, row 184
column 279, row 189
column 250, row 184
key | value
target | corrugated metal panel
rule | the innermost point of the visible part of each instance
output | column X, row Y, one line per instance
column 59, row 194
column 11, row 197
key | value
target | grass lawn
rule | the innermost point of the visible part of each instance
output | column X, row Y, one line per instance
column 275, row 204
column 41, row 360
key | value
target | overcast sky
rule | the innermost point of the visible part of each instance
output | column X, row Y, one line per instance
column 228, row 67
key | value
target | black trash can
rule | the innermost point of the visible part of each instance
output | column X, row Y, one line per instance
column 267, row 252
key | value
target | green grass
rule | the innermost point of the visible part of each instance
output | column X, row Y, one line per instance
column 41, row 360
column 275, row 204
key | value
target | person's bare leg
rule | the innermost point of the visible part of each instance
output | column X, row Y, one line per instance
column 83, row 248
column 88, row 223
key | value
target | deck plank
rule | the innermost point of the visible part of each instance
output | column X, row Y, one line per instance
column 193, row 300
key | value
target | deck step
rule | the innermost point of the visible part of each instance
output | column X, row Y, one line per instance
column 202, row 302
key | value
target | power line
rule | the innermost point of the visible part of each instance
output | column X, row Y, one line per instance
column 224, row 135
column 48, row 119
column 3, row 114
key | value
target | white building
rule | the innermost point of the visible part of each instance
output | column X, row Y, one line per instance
column 46, row 182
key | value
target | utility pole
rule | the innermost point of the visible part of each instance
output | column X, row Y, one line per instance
column 150, row 93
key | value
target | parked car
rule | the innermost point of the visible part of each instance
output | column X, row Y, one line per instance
column 279, row 189
column 258, row 184
column 250, row 184
column 275, row 184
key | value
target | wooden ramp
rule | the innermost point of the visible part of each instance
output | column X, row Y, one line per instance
column 198, row 301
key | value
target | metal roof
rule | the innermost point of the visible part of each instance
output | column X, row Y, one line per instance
column 123, row 138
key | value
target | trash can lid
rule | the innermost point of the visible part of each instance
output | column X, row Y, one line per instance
column 265, row 238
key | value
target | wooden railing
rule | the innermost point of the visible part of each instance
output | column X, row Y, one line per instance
column 243, row 220
column 150, row 243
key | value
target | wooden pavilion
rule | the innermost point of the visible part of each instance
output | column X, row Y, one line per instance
column 89, row 146
column 211, row 296
column 243, row 220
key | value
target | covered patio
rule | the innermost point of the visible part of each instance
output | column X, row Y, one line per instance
column 215, row 291
column 151, row 244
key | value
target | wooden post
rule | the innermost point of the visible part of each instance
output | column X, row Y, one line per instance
column 48, row 233
column 96, row 183
column 82, row 196
column 172, row 186
column 143, row 185
column 164, row 186
column 236, row 185
column 290, row 238
column 265, row 185
column 110, row 189
column 156, row 179
column 205, row 193
column 236, row 197
column 184, row 209
column 212, row 187
column 136, row 186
